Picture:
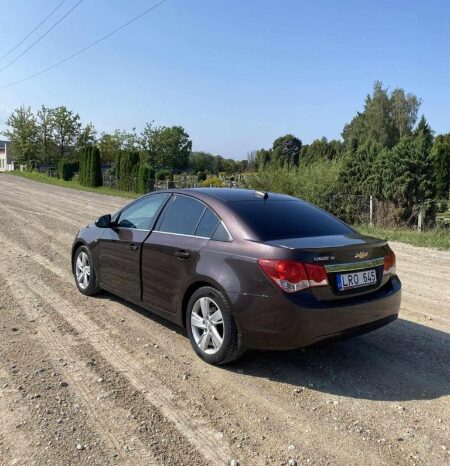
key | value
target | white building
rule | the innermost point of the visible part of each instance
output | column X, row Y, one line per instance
column 6, row 162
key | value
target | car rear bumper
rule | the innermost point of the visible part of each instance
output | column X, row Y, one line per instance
column 284, row 321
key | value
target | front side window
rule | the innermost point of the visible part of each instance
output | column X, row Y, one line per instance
column 141, row 215
column 182, row 216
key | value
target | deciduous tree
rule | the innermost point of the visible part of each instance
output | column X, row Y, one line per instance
column 23, row 132
column 286, row 150
column 46, row 124
column 67, row 128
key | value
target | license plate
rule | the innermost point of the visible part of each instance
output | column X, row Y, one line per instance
column 356, row 279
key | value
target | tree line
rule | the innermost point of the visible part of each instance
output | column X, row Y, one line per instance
column 384, row 152
column 51, row 136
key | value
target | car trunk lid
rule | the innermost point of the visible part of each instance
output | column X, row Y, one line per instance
column 351, row 257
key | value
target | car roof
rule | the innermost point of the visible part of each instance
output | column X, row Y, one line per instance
column 234, row 194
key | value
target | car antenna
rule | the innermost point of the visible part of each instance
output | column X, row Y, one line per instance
column 263, row 194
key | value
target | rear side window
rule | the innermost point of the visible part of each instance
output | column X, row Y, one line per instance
column 182, row 216
column 273, row 220
column 207, row 225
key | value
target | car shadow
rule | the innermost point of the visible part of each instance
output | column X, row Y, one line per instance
column 400, row 362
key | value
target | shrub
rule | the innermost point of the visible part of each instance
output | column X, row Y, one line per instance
column 163, row 175
column 127, row 167
column 316, row 182
column 212, row 181
column 201, row 176
column 90, row 173
column 67, row 169
column 142, row 179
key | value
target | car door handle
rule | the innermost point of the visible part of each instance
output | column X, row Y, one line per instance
column 182, row 255
column 133, row 247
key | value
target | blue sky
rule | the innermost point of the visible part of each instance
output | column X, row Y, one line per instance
column 235, row 73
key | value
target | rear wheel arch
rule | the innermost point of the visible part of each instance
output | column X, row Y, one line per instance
column 192, row 288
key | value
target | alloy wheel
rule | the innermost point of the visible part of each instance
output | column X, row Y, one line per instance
column 83, row 270
column 207, row 325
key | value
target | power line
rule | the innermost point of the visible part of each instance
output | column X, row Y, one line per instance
column 40, row 37
column 32, row 31
column 79, row 52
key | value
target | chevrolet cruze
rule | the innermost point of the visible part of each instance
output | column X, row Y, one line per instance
column 240, row 269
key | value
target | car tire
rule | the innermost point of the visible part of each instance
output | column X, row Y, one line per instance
column 209, row 321
column 84, row 272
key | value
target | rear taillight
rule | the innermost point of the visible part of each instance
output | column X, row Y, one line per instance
column 294, row 276
column 389, row 264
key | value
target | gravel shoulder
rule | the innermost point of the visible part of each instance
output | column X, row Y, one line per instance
column 100, row 381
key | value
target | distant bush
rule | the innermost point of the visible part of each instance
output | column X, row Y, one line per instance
column 201, row 176
column 127, row 167
column 143, row 179
column 316, row 182
column 66, row 169
column 90, row 172
column 163, row 175
column 212, row 181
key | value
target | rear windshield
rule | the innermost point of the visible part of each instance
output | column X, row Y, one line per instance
column 273, row 220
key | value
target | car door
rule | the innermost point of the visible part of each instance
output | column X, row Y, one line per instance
column 120, row 247
column 172, row 250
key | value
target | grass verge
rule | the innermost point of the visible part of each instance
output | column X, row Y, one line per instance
column 72, row 184
column 436, row 238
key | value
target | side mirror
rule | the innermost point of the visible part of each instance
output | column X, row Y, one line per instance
column 104, row 221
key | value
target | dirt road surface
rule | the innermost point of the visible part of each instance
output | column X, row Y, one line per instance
column 99, row 381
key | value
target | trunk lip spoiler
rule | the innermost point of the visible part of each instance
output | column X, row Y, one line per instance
column 349, row 266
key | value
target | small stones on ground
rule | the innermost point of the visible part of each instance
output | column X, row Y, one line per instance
column 15, row 329
column 100, row 380
column 291, row 447
column 234, row 463
column 122, row 320
column 214, row 397
column 63, row 384
column 292, row 462
column 185, row 376
column 80, row 447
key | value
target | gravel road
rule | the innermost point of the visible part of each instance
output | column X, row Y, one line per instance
column 99, row 381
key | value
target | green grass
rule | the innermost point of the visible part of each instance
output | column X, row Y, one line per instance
column 71, row 184
column 436, row 238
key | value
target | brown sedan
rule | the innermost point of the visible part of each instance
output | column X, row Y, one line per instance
column 240, row 269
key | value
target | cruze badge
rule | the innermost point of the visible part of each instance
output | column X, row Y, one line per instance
column 324, row 258
column 361, row 255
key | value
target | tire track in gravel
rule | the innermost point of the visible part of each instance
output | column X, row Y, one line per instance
column 54, row 420
column 15, row 446
column 104, row 416
column 206, row 440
